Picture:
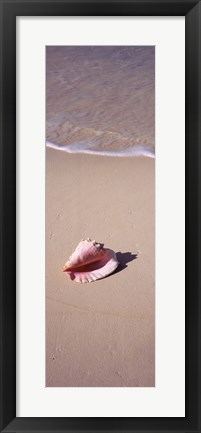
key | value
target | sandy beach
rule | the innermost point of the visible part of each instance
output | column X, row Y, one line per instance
column 100, row 334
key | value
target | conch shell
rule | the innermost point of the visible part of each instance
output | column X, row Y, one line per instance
column 90, row 262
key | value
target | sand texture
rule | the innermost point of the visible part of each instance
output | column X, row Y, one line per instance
column 102, row 333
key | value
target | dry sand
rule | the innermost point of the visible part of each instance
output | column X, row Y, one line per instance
column 101, row 333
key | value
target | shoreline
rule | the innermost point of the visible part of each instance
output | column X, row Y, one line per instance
column 135, row 151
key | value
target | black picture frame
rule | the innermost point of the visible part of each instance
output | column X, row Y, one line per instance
column 191, row 9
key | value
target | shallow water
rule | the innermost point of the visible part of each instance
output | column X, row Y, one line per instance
column 101, row 99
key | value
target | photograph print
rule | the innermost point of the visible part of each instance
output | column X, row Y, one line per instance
column 100, row 216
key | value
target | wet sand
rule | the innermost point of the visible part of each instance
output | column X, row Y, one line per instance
column 102, row 333
column 101, row 97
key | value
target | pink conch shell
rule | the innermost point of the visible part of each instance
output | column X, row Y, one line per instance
column 90, row 262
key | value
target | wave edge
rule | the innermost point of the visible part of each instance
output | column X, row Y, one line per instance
column 133, row 151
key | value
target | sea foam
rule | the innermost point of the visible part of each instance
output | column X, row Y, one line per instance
column 138, row 150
